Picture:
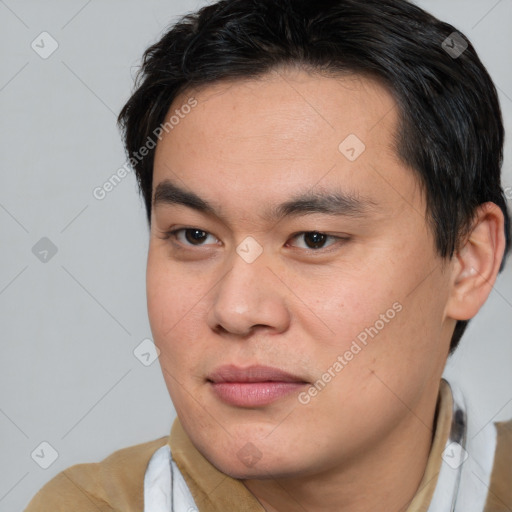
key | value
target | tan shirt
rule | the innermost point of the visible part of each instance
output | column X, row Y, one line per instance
column 117, row 482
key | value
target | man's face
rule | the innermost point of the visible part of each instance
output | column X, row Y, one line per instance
column 347, row 294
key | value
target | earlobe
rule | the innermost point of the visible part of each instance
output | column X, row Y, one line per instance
column 476, row 264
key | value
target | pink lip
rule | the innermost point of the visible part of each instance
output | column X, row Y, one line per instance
column 253, row 386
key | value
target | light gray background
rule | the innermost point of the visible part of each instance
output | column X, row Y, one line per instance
column 68, row 373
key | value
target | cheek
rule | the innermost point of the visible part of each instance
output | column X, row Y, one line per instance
column 161, row 297
column 350, row 304
column 170, row 300
column 178, row 303
column 171, row 312
column 392, row 312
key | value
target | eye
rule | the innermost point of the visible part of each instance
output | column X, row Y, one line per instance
column 312, row 240
column 190, row 236
column 315, row 239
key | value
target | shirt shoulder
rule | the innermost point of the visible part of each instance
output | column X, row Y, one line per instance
column 499, row 497
column 113, row 485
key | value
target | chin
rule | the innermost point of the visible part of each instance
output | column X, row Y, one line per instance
column 245, row 453
column 246, row 465
column 241, row 472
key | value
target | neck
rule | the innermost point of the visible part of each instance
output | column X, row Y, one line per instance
column 385, row 477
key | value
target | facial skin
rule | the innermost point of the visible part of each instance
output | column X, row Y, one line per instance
column 363, row 441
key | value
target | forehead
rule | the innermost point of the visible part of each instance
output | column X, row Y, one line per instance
column 271, row 136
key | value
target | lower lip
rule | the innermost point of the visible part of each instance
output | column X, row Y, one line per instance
column 254, row 394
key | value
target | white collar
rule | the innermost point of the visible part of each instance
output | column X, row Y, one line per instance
column 468, row 457
column 165, row 489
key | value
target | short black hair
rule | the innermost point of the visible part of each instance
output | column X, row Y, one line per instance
column 450, row 124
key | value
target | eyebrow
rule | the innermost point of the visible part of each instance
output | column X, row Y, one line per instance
column 324, row 202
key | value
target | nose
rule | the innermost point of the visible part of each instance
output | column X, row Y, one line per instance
column 249, row 296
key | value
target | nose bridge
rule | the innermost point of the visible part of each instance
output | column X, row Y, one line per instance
column 248, row 294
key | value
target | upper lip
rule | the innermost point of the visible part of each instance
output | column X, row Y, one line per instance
column 255, row 373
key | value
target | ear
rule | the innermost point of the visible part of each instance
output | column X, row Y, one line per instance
column 476, row 264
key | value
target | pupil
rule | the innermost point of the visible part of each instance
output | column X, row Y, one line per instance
column 197, row 235
column 316, row 239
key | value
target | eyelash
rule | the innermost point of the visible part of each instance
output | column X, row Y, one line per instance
column 174, row 235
